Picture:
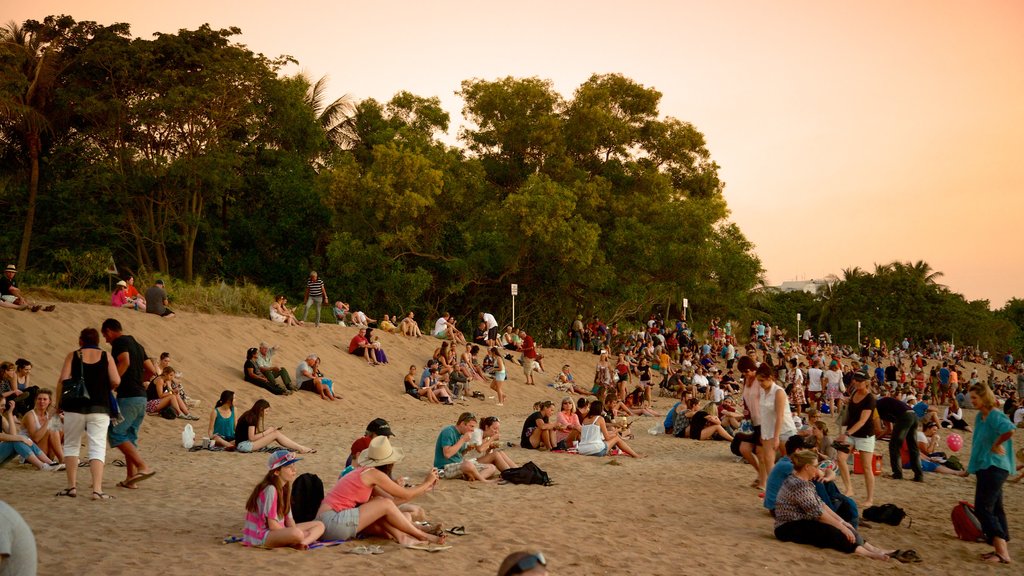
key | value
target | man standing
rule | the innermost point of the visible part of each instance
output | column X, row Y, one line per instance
column 529, row 350
column 904, row 429
column 265, row 363
column 451, row 443
column 156, row 300
column 492, row 328
column 132, row 365
column 315, row 293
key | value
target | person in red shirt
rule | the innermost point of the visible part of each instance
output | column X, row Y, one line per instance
column 529, row 356
column 360, row 346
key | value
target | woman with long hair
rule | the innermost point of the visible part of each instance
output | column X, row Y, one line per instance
column 251, row 434
column 268, row 518
column 36, row 423
column 777, row 423
column 222, row 421
column 596, row 439
column 160, row 394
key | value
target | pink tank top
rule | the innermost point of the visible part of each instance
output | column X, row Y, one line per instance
column 349, row 492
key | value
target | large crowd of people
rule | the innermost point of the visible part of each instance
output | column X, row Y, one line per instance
column 773, row 401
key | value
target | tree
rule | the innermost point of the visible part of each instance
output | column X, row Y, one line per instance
column 33, row 56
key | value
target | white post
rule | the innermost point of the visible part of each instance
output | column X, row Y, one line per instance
column 858, row 333
column 798, row 326
column 515, row 290
column 686, row 304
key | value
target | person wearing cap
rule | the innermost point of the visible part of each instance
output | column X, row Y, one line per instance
column 268, row 519
column 527, row 563
column 10, row 294
column 376, row 427
column 120, row 299
column 265, row 363
column 451, row 443
column 156, row 300
column 860, row 428
column 308, row 377
column 351, row 508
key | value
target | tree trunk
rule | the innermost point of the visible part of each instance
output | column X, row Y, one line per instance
column 33, row 192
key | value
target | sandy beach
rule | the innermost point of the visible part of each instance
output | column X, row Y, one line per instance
column 686, row 509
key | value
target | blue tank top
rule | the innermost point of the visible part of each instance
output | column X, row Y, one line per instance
column 225, row 427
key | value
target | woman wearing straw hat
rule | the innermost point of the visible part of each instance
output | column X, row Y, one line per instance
column 268, row 519
column 350, row 508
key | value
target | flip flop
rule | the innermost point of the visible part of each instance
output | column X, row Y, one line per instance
column 124, row 484
column 119, row 463
column 375, row 549
column 994, row 558
column 101, row 496
column 457, row 530
column 429, row 547
column 360, row 550
column 139, row 478
column 50, row 308
column 69, row 492
column 908, row 557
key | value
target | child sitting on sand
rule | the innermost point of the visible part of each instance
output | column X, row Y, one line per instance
column 268, row 519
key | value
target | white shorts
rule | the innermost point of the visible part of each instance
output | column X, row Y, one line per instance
column 862, row 444
column 95, row 428
column 8, row 298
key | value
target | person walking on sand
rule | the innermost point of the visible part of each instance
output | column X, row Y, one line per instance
column 132, row 363
column 315, row 293
column 992, row 461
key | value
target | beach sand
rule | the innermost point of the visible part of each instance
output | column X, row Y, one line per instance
column 686, row 509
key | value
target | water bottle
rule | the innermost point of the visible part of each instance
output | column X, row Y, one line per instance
column 654, row 431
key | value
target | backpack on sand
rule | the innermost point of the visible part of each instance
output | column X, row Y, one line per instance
column 307, row 494
column 966, row 523
column 886, row 514
column 528, row 473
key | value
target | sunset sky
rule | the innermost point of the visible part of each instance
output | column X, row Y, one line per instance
column 848, row 134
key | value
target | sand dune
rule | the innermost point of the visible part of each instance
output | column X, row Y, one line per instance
column 683, row 510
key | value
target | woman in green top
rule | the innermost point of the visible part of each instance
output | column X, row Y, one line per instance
column 992, row 462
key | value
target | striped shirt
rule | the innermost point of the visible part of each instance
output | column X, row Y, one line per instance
column 316, row 288
column 256, row 523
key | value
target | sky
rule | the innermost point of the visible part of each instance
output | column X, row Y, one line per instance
column 848, row 134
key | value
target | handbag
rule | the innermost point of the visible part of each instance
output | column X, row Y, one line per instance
column 74, row 391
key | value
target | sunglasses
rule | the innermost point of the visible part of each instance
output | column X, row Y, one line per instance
column 528, row 563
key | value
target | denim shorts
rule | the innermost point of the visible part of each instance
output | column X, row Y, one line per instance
column 133, row 410
column 342, row 525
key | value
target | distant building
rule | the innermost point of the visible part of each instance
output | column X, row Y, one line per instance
column 810, row 286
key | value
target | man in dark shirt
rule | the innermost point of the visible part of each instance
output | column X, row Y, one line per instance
column 156, row 300
column 10, row 294
column 132, row 365
column 538, row 432
column 904, row 429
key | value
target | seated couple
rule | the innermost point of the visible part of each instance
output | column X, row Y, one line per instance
column 429, row 385
column 458, row 441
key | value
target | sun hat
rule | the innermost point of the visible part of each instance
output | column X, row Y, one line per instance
column 11, row 268
column 380, row 427
column 122, row 283
column 380, row 452
column 280, row 459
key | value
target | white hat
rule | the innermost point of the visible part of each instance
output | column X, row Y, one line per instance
column 380, row 452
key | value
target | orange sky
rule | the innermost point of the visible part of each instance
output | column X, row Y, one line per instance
column 848, row 134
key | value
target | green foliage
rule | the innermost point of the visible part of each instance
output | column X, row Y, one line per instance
column 82, row 268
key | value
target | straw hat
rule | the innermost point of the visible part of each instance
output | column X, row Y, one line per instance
column 380, row 453
column 122, row 283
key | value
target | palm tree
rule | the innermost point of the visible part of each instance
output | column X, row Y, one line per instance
column 923, row 271
column 335, row 118
column 23, row 117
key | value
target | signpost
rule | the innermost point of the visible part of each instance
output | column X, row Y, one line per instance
column 515, row 290
column 858, row 333
column 798, row 325
column 686, row 304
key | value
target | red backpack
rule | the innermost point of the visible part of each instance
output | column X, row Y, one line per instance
column 966, row 523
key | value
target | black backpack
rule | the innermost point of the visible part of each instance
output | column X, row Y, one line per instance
column 307, row 494
column 528, row 473
column 887, row 514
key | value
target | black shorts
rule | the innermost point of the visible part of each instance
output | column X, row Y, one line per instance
column 492, row 333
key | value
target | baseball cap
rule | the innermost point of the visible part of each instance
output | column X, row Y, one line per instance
column 380, row 427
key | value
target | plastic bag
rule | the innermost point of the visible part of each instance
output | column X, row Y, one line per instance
column 188, row 436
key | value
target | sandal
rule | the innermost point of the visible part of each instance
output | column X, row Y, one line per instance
column 360, row 550
column 125, row 484
column 907, row 556
column 69, row 492
column 994, row 557
column 101, row 496
column 457, row 530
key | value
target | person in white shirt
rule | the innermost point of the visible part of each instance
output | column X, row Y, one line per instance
column 492, row 328
column 814, row 384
